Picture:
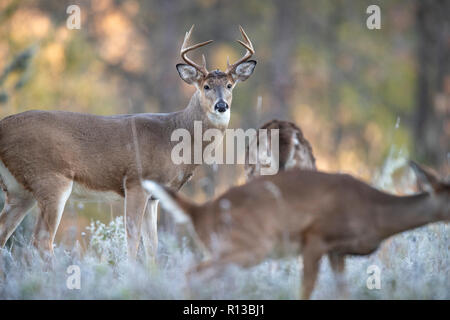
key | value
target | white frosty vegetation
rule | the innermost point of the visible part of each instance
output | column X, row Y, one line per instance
column 413, row 265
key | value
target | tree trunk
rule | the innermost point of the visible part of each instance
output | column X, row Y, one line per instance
column 283, row 44
column 432, row 113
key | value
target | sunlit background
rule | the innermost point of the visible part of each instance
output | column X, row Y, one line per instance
column 359, row 95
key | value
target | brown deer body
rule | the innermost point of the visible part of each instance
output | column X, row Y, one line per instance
column 307, row 212
column 47, row 156
column 294, row 150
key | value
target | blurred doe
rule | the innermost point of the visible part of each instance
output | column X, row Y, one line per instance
column 48, row 156
column 308, row 212
column 294, row 150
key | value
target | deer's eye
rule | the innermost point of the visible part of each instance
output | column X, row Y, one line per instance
column 206, row 87
column 229, row 86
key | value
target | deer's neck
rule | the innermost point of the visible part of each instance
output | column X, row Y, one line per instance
column 398, row 214
column 195, row 112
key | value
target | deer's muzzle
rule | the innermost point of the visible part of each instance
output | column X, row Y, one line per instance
column 221, row 106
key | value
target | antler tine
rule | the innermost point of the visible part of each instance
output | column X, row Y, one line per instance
column 247, row 44
column 247, row 39
column 185, row 50
column 204, row 61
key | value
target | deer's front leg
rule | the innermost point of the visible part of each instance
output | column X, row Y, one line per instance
column 313, row 249
column 149, row 230
column 135, row 204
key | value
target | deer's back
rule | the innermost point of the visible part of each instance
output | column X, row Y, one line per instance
column 95, row 151
column 338, row 208
column 292, row 203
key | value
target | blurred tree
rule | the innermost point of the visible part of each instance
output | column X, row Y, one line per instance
column 284, row 39
column 432, row 115
column 20, row 64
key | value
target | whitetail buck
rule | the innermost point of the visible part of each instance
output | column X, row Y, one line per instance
column 47, row 156
column 305, row 211
column 294, row 150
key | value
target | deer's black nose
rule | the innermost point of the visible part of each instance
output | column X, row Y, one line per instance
column 221, row 106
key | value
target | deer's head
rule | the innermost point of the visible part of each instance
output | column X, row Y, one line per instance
column 428, row 181
column 215, row 88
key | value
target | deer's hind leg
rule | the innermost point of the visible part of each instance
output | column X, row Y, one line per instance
column 337, row 262
column 51, row 195
column 18, row 202
column 243, row 256
column 15, row 209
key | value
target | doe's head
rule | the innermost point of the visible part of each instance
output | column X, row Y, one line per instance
column 216, row 87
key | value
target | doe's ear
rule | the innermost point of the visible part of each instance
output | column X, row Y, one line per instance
column 243, row 71
column 427, row 180
column 188, row 73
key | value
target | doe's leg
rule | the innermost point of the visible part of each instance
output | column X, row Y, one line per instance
column 313, row 249
column 135, row 204
column 242, row 256
column 14, row 211
column 51, row 196
column 337, row 262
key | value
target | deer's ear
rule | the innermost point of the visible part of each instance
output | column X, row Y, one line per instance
column 426, row 179
column 244, row 70
column 188, row 73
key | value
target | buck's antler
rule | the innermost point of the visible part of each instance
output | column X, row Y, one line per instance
column 250, row 51
column 185, row 50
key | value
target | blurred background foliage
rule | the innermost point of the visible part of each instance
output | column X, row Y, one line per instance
column 355, row 92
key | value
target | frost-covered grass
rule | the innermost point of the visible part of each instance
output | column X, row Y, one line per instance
column 414, row 265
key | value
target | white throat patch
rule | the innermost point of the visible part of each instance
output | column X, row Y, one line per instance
column 219, row 119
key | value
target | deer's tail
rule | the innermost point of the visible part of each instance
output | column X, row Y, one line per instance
column 180, row 207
